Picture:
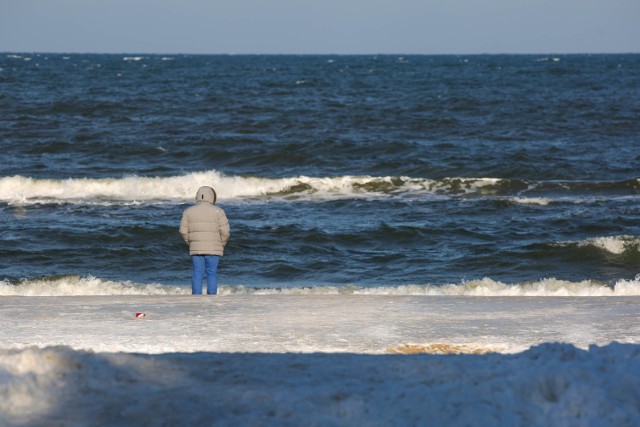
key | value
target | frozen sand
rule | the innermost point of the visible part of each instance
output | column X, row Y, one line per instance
column 319, row 360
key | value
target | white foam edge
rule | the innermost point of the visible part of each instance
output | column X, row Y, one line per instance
column 540, row 201
column 21, row 190
column 613, row 244
column 85, row 286
column 548, row 287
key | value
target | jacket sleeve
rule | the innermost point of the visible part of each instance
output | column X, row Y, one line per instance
column 184, row 228
column 225, row 231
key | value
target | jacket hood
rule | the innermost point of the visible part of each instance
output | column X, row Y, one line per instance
column 206, row 194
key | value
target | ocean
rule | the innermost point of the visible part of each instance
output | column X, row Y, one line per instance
column 493, row 174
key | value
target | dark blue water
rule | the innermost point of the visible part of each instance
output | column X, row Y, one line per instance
column 333, row 170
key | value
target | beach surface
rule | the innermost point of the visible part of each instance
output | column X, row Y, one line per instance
column 371, row 324
column 319, row 360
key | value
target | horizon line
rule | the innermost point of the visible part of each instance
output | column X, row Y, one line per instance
column 10, row 52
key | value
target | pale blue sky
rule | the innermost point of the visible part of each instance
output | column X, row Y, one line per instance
column 320, row 26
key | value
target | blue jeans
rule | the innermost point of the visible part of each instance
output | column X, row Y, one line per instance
column 200, row 264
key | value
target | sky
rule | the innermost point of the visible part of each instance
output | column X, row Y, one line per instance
column 320, row 26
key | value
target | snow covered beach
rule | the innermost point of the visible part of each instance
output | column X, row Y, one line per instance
column 319, row 360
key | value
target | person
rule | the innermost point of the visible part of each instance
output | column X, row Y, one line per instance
column 205, row 229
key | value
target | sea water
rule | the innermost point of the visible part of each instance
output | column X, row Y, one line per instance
column 338, row 173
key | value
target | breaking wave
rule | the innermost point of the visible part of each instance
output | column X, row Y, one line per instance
column 475, row 288
column 616, row 245
column 24, row 190
column 18, row 190
column 550, row 287
column 84, row 286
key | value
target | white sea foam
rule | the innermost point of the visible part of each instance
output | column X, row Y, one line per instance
column 78, row 286
column 542, row 201
column 133, row 58
column 550, row 287
column 613, row 244
column 19, row 190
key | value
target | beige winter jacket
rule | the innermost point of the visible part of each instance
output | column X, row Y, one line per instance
column 204, row 227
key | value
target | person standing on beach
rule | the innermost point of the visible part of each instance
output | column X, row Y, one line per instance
column 205, row 229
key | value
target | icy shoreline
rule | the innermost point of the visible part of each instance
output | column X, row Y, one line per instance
column 370, row 324
column 319, row 360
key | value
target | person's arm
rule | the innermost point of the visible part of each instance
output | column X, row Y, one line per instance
column 225, row 230
column 184, row 228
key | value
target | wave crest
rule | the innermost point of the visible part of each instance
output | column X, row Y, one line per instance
column 19, row 190
column 84, row 286
column 24, row 190
column 616, row 245
column 550, row 287
column 486, row 287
